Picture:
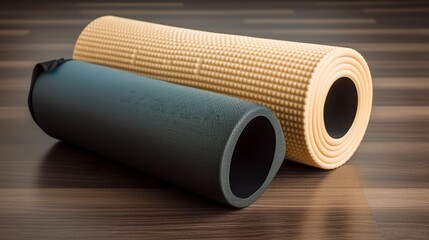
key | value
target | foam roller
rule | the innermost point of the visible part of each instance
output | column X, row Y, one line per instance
column 221, row 147
column 322, row 95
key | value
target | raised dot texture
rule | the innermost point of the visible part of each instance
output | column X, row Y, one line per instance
column 293, row 79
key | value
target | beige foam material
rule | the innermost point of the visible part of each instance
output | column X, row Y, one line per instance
column 293, row 79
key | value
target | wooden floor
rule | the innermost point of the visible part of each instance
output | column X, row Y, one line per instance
column 51, row 190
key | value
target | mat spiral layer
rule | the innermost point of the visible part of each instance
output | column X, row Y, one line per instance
column 322, row 95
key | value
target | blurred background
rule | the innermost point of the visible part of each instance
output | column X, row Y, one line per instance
column 54, row 190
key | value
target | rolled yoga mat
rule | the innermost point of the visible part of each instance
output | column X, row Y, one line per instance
column 322, row 95
column 224, row 148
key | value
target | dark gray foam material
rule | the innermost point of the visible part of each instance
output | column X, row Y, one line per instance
column 221, row 147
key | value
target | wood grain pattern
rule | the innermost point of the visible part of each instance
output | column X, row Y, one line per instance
column 13, row 33
column 224, row 12
column 53, row 190
column 312, row 21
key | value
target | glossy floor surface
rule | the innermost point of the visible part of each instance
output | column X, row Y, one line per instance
column 52, row 190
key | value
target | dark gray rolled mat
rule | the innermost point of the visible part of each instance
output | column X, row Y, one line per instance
column 221, row 147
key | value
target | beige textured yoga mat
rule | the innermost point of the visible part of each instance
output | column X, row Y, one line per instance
column 322, row 95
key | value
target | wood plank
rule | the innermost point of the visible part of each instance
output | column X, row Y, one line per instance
column 366, row 3
column 44, row 22
column 401, row 83
column 388, row 47
column 309, row 21
column 13, row 33
column 225, row 12
column 16, row 64
column 36, row 47
column 397, row 10
column 400, row 114
column 402, row 198
column 130, row 4
column 344, row 31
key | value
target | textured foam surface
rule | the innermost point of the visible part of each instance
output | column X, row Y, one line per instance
column 293, row 79
column 221, row 147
